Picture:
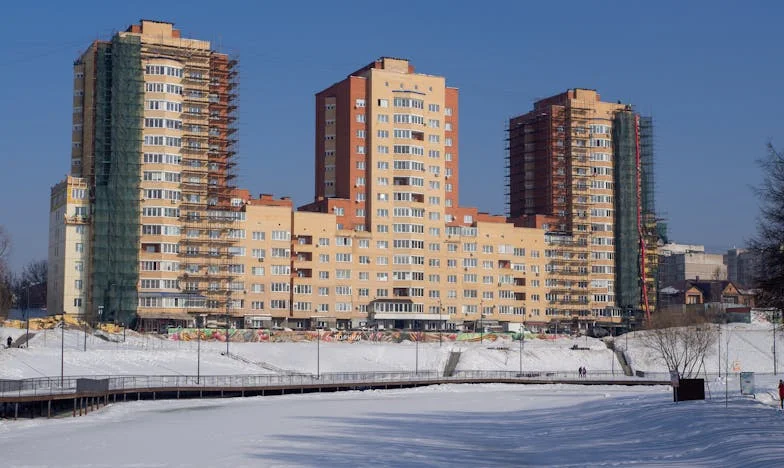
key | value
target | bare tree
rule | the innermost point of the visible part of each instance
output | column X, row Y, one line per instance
column 768, row 244
column 680, row 340
column 35, row 274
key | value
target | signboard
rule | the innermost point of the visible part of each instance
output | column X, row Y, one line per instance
column 674, row 379
column 747, row 383
column 736, row 366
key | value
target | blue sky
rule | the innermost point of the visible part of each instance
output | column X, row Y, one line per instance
column 709, row 73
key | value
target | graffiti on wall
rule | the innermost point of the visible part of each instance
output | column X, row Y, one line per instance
column 338, row 336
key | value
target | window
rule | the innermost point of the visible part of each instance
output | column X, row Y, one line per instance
column 79, row 247
column 78, row 284
column 77, row 302
column 281, row 235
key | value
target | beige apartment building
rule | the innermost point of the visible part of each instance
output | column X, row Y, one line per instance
column 169, row 241
column 69, row 245
column 153, row 140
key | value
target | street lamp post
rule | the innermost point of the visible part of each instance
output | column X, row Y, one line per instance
column 27, row 313
column 198, row 348
column 440, row 324
column 481, row 322
column 62, row 349
column 318, row 350
column 228, row 306
column 416, row 357
column 522, row 343
column 775, row 318
column 719, row 351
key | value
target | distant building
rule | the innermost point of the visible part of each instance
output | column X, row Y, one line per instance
column 715, row 300
column 703, row 292
column 740, row 267
column 680, row 262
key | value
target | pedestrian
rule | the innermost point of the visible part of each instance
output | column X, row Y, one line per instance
column 9, row 341
column 585, row 372
column 781, row 394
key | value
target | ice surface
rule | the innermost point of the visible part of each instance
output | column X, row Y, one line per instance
column 450, row 425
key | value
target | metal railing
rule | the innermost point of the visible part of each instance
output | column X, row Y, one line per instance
column 45, row 386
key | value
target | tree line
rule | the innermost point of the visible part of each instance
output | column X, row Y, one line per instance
column 19, row 289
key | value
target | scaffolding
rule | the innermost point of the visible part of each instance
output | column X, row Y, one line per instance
column 649, row 220
column 208, row 211
column 119, row 108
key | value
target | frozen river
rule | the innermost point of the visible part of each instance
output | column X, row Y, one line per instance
column 469, row 425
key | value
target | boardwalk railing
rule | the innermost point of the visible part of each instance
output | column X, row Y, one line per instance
column 46, row 386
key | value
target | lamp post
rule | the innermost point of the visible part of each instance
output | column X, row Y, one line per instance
column 775, row 318
column 27, row 313
column 522, row 344
column 198, row 348
column 416, row 356
column 719, row 351
column 481, row 322
column 62, row 349
column 440, row 324
column 318, row 350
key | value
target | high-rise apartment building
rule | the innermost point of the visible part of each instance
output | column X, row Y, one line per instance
column 148, row 229
column 153, row 125
column 387, row 165
column 582, row 168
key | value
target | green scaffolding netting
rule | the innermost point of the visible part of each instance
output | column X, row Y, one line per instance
column 627, row 237
column 119, row 107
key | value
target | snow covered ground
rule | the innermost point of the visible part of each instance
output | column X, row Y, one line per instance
column 450, row 425
column 750, row 349
column 149, row 355
column 480, row 425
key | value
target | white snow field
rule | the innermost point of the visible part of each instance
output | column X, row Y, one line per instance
column 150, row 355
column 750, row 350
column 449, row 425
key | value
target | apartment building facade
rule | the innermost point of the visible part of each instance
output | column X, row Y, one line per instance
column 582, row 169
column 69, row 247
column 153, row 126
column 167, row 240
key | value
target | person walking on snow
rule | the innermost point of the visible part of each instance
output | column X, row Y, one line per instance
column 781, row 394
